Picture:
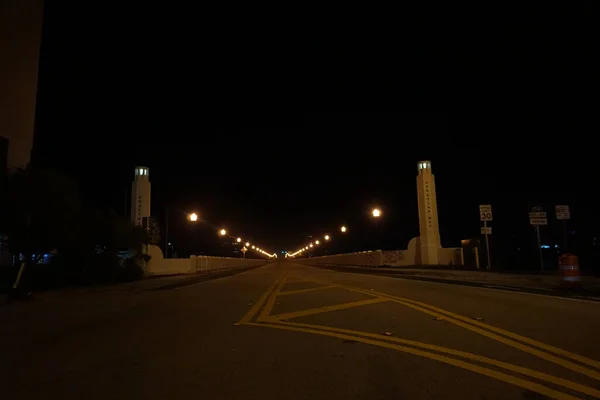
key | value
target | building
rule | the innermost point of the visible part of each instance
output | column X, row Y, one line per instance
column 20, row 40
column 428, row 215
column 3, row 155
column 140, row 196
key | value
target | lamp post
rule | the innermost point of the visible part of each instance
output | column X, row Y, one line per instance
column 192, row 217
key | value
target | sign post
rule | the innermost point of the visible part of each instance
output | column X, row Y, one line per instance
column 485, row 215
column 537, row 217
column 564, row 213
column 244, row 250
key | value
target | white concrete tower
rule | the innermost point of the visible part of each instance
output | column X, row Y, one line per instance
column 428, row 215
column 140, row 196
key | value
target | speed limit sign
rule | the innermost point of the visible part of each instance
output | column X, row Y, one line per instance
column 485, row 212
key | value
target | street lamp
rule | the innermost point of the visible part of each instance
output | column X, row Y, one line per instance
column 376, row 212
column 327, row 237
column 193, row 217
column 239, row 240
column 247, row 244
column 223, row 232
column 343, row 229
column 317, row 242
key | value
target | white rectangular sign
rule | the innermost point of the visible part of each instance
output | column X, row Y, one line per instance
column 485, row 212
column 537, row 215
column 563, row 212
column 486, row 230
column 538, row 221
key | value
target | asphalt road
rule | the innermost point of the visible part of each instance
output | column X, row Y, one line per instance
column 287, row 331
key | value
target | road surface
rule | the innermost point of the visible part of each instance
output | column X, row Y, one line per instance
column 288, row 331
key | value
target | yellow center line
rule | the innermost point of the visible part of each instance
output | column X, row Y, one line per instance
column 472, row 326
column 248, row 317
column 305, row 290
column 264, row 314
column 532, row 386
column 320, row 310
column 470, row 356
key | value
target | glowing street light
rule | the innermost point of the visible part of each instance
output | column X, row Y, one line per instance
column 238, row 240
column 223, row 232
column 253, row 247
column 310, row 245
column 376, row 212
column 193, row 217
column 247, row 244
column 327, row 237
column 343, row 229
column 317, row 242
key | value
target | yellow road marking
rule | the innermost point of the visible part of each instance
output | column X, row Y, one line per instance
column 456, row 320
column 470, row 356
column 305, row 290
column 319, row 310
column 259, row 303
column 532, row 386
column 264, row 314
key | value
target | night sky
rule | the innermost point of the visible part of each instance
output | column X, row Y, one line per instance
column 114, row 95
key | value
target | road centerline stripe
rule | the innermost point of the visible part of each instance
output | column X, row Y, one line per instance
column 256, row 306
column 532, row 386
column 266, row 311
column 479, row 327
column 305, row 290
column 459, row 353
column 336, row 307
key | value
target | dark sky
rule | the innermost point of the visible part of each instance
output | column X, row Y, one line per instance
column 115, row 92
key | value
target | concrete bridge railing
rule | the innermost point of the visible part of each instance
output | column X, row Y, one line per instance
column 392, row 258
column 363, row 258
column 194, row 264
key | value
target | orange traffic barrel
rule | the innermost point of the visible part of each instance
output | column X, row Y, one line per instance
column 569, row 270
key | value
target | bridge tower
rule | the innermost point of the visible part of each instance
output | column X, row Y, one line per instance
column 140, row 196
column 428, row 215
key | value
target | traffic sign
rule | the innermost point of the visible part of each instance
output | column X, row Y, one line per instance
column 563, row 212
column 537, row 215
column 485, row 212
column 486, row 230
column 538, row 221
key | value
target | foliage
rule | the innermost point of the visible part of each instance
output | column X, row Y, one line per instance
column 38, row 210
column 154, row 232
column 41, row 213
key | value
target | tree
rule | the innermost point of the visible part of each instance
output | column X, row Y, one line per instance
column 95, row 257
column 154, row 232
column 39, row 210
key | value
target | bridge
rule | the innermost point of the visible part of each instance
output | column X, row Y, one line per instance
column 414, row 323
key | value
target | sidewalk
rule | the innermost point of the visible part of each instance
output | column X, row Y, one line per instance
column 155, row 282
column 542, row 281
